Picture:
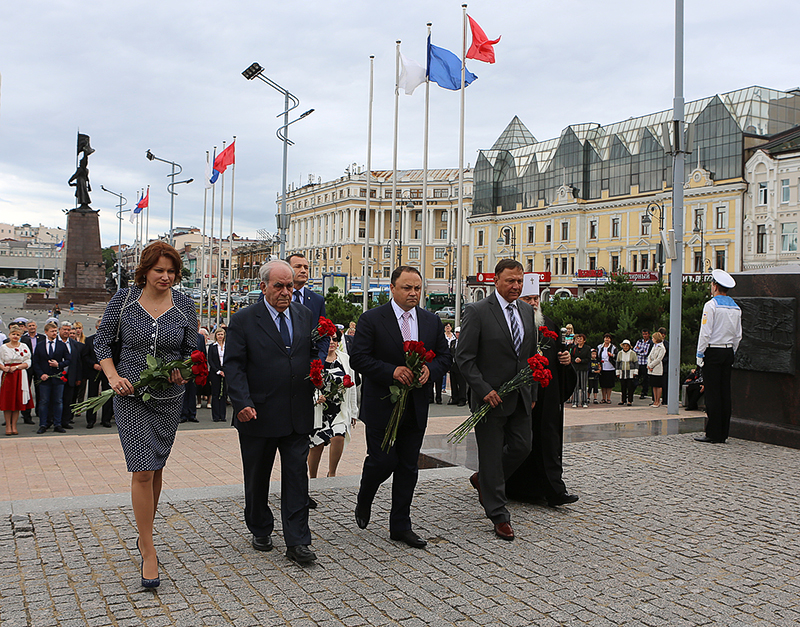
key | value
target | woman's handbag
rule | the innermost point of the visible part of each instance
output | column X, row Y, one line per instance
column 116, row 345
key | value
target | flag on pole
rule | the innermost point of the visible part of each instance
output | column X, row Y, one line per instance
column 144, row 203
column 224, row 159
column 136, row 209
column 211, row 178
column 60, row 246
column 412, row 75
column 482, row 49
column 444, row 68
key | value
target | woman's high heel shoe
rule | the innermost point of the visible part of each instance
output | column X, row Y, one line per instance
column 147, row 583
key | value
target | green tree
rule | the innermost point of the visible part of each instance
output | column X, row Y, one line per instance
column 339, row 310
column 109, row 258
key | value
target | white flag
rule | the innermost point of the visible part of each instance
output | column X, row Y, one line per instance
column 412, row 75
column 209, row 182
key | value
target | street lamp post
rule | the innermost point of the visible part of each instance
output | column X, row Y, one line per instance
column 256, row 71
column 172, row 194
column 651, row 209
column 699, row 230
column 510, row 236
column 122, row 202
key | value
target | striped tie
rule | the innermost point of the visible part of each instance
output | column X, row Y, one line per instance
column 515, row 334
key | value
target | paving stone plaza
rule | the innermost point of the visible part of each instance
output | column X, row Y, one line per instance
column 667, row 532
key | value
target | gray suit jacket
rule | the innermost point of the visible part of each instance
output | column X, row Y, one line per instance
column 485, row 353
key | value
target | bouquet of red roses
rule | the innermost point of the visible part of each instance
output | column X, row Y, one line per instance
column 416, row 358
column 325, row 328
column 544, row 339
column 535, row 372
column 155, row 377
column 329, row 387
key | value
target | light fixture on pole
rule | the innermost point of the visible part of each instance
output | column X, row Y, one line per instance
column 122, row 202
column 174, row 165
column 699, row 230
column 652, row 208
column 256, row 71
column 508, row 235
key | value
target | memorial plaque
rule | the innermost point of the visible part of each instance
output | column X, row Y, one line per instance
column 768, row 334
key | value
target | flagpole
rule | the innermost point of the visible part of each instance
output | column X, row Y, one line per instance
column 211, row 247
column 423, row 295
column 147, row 221
column 365, row 278
column 230, row 246
column 219, row 257
column 203, row 247
column 460, row 220
column 392, row 234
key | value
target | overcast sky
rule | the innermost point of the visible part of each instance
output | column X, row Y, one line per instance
column 166, row 75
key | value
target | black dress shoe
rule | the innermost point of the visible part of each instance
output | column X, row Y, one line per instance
column 409, row 537
column 41, row 430
column 263, row 543
column 107, row 425
column 562, row 499
column 451, row 402
column 193, row 420
column 438, row 401
column 705, row 438
column 59, row 429
column 90, row 425
column 29, row 421
column 301, row 554
column 312, row 504
column 362, row 516
column 67, row 426
column 462, row 403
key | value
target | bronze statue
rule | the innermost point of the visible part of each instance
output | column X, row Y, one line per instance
column 81, row 176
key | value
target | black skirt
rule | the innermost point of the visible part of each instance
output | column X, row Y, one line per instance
column 608, row 378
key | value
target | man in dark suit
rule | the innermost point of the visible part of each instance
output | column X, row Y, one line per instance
column 268, row 355
column 541, row 474
column 49, row 360
column 498, row 335
column 378, row 355
column 458, row 386
column 311, row 300
column 74, row 373
column 31, row 339
column 96, row 380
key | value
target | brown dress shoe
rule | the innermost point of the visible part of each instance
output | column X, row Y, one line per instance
column 504, row 531
column 477, row 485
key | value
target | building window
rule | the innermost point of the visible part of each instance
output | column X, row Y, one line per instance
column 592, row 263
column 362, row 215
column 440, row 193
column 416, row 193
column 548, row 233
column 635, row 263
column 721, row 218
column 386, row 272
column 761, row 239
column 564, row 231
column 442, row 233
column 418, row 216
column 762, row 193
column 480, row 239
column 645, row 262
column 479, row 266
column 363, row 192
column 387, row 252
column 592, row 229
column 721, row 259
column 387, row 193
column 417, row 233
column 614, row 227
column 563, row 265
column 413, row 252
column 645, row 228
column 438, row 253
column 572, row 265
column 784, row 190
column 615, row 261
column 531, row 235
column 362, row 232
column 444, row 216
column 547, row 265
column 529, row 264
column 789, row 237
column 698, row 261
column 438, row 273
column 372, row 193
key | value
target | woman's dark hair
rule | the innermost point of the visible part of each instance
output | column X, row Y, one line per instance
column 150, row 256
column 338, row 336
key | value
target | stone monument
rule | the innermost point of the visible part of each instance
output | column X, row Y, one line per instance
column 766, row 390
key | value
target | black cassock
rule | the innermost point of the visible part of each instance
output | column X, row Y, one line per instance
column 539, row 476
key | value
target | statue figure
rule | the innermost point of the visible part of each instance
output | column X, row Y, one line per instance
column 80, row 180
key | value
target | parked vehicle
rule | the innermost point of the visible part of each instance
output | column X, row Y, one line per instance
column 447, row 313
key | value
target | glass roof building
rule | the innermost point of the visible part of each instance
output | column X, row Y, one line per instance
column 626, row 157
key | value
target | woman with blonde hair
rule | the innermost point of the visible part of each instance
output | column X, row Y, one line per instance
column 655, row 367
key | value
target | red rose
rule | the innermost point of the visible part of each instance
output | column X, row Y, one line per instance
column 64, row 379
column 542, row 329
column 200, row 379
column 429, row 355
column 549, row 334
column 197, row 369
column 347, row 381
column 407, row 346
column 198, row 357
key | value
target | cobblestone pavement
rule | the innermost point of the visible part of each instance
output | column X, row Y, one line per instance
column 667, row 532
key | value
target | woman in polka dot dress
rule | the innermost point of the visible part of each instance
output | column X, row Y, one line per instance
column 152, row 319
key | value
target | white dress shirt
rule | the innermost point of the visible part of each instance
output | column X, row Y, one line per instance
column 412, row 321
column 503, row 305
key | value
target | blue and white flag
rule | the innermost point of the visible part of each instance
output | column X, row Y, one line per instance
column 60, row 246
column 444, row 68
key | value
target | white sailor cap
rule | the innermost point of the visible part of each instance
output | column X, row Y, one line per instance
column 20, row 320
column 723, row 278
column 530, row 284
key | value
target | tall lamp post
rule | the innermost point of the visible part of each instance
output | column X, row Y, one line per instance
column 651, row 209
column 699, row 230
column 122, row 202
column 174, row 165
column 510, row 237
column 290, row 102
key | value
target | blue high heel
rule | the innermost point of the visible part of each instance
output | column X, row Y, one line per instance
column 147, row 583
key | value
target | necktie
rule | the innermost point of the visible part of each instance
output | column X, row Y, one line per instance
column 516, row 336
column 50, row 348
column 284, row 329
column 405, row 326
column 297, row 297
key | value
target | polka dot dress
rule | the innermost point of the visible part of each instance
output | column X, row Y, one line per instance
column 147, row 429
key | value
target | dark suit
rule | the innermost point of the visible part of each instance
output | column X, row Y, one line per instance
column 95, row 381
column 27, row 340
column 487, row 359
column 315, row 303
column 458, row 386
column 74, row 377
column 189, row 407
column 377, row 351
column 52, row 389
column 218, row 385
column 262, row 374
column 540, row 475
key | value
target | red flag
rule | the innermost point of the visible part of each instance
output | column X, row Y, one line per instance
column 482, row 49
column 144, row 203
column 225, row 158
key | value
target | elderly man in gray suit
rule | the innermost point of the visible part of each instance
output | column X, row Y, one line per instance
column 498, row 335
